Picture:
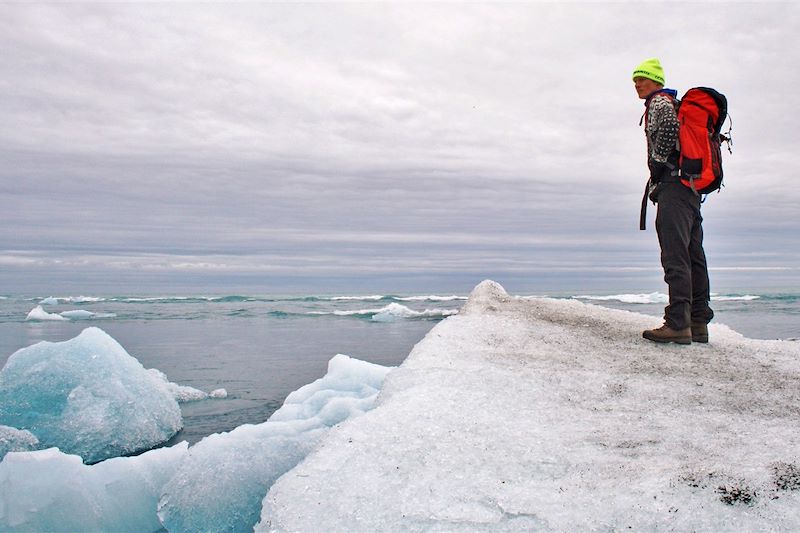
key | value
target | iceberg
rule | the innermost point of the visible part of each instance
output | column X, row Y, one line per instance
column 88, row 397
column 48, row 490
column 82, row 314
column 39, row 314
column 246, row 461
column 535, row 414
column 78, row 314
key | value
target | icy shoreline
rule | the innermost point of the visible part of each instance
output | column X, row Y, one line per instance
column 552, row 415
column 517, row 414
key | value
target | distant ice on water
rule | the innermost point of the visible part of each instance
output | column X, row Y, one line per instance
column 389, row 313
column 38, row 313
column 184, row 393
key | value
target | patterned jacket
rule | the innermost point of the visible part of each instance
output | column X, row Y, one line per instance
column 661, row 128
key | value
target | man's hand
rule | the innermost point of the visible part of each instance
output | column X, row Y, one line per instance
column 653, row 191
column 657, row 170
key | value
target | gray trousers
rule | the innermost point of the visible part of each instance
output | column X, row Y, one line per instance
column 680, row 233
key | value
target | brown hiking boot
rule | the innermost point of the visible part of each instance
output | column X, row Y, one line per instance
column 699, row 332
column 667, row 334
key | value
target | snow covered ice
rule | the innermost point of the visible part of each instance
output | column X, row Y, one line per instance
column 88, row 397
column 554, row 415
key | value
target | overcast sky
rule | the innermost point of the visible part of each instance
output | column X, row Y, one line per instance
column 368, row 145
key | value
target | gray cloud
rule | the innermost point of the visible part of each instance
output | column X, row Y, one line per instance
column 373, row 140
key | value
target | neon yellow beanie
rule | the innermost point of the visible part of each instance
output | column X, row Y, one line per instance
column 650, row 69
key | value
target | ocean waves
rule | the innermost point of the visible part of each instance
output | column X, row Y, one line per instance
column 373, row 308
column 660, row 297
column 754, row 314
column 777, row 310
column 53, row 300
column 651, row 298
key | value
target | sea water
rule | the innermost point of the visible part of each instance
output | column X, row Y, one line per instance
column 261, row 348
column 257, row 348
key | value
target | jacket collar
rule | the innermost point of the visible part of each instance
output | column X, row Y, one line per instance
column 669, row 92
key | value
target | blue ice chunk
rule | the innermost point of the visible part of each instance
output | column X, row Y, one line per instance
column 47, row 490
column 88, row 397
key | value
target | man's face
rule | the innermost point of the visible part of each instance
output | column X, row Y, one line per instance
column 645, row 87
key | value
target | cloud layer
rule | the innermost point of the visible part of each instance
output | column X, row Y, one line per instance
column 327, row 141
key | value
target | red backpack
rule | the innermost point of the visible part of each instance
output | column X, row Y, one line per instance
column 701, row 114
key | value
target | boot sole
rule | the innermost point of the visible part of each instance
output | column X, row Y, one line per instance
column 667, row 340
column 702, row 340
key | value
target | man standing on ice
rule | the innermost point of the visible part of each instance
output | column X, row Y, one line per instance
column 678, row 220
